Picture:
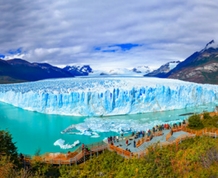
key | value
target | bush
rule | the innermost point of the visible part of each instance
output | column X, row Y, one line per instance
column 194, row 122
column 207, row 116
column 7, row 147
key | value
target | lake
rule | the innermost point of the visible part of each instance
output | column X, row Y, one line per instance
column 34, row 131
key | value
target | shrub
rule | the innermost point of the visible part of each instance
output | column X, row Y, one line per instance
column 207, row 116
column 7, row 147
column 194, row 122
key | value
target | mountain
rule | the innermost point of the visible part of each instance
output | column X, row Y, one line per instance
column 118, row 71
column 142, row 69
column 137, row 71
column 163, row 70
column 200, row 67
column 79, row 70
column 19, row 70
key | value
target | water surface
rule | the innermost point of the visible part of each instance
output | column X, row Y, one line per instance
column 32, row 131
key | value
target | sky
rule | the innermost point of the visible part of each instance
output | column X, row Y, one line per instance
column 106, row 34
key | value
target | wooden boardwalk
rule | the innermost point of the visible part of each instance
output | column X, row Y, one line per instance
column 80, row 156
column 77, row 157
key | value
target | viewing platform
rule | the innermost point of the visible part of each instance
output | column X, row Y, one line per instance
column 135, row 145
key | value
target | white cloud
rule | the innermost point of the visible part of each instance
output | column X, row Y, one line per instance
column 66, row 32
column 13, row 56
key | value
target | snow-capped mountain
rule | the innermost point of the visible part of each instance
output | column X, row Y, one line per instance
column 142, row 69
column 83, row 70
column 163, row 70
column 19, row 70
column 137, row 71
column 200, row 67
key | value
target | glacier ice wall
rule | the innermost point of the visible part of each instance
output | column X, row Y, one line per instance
column 107, row 96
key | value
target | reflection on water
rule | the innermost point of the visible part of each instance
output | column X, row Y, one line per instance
column 32, row 131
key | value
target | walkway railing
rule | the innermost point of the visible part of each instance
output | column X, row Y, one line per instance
column 78, row 156
column 212, row 132
column 120, row 151
column 81, row 155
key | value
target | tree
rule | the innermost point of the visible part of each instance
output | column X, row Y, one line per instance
column 194, row 122
column 207, row 115
column 7, row 146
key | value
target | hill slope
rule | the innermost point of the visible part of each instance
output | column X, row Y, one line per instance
column 163, row 70
column 200, row 67
column 17, row 70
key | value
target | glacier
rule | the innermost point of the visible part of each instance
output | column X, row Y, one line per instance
column 107, row 96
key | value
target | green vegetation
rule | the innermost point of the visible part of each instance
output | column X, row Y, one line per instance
column 194, row 157
column 194, row 122
column 197, row 122
column 7, row 147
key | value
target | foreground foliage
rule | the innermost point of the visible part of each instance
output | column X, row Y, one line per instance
column 194, row 157
column 198, row 122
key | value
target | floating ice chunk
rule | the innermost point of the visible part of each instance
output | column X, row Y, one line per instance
column 76, row 143
column 89, row 128
column 95, row 135
column 60, row 142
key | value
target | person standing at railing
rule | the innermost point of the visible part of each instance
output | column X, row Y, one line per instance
column 153, row 129
column 114, row 139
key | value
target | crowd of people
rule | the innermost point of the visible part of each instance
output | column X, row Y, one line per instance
column 141, row 134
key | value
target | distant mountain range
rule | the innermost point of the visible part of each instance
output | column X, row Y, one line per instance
column 200, row 67
column 18, row 70
column 163, row 70
column 79, row 70
column 137, row 71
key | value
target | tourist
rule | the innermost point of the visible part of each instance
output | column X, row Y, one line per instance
column 153, row 130
column 117, row 138
column 114, row 139
column 126, row 142
column 149, row 132
column 160, row 127
column 134, row 143
column 143, row 133
column 108, row 140
column 83, row 146
column 157, row 128
column 122, row 136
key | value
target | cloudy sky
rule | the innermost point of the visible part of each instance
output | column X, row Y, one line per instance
column 106, row 33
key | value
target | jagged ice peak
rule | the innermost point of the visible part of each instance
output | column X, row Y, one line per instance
column 107, row 96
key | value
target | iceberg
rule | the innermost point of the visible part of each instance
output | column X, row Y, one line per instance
column 61, row 142
column 107, row 96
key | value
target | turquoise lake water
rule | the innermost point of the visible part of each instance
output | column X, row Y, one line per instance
column 32, row 131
